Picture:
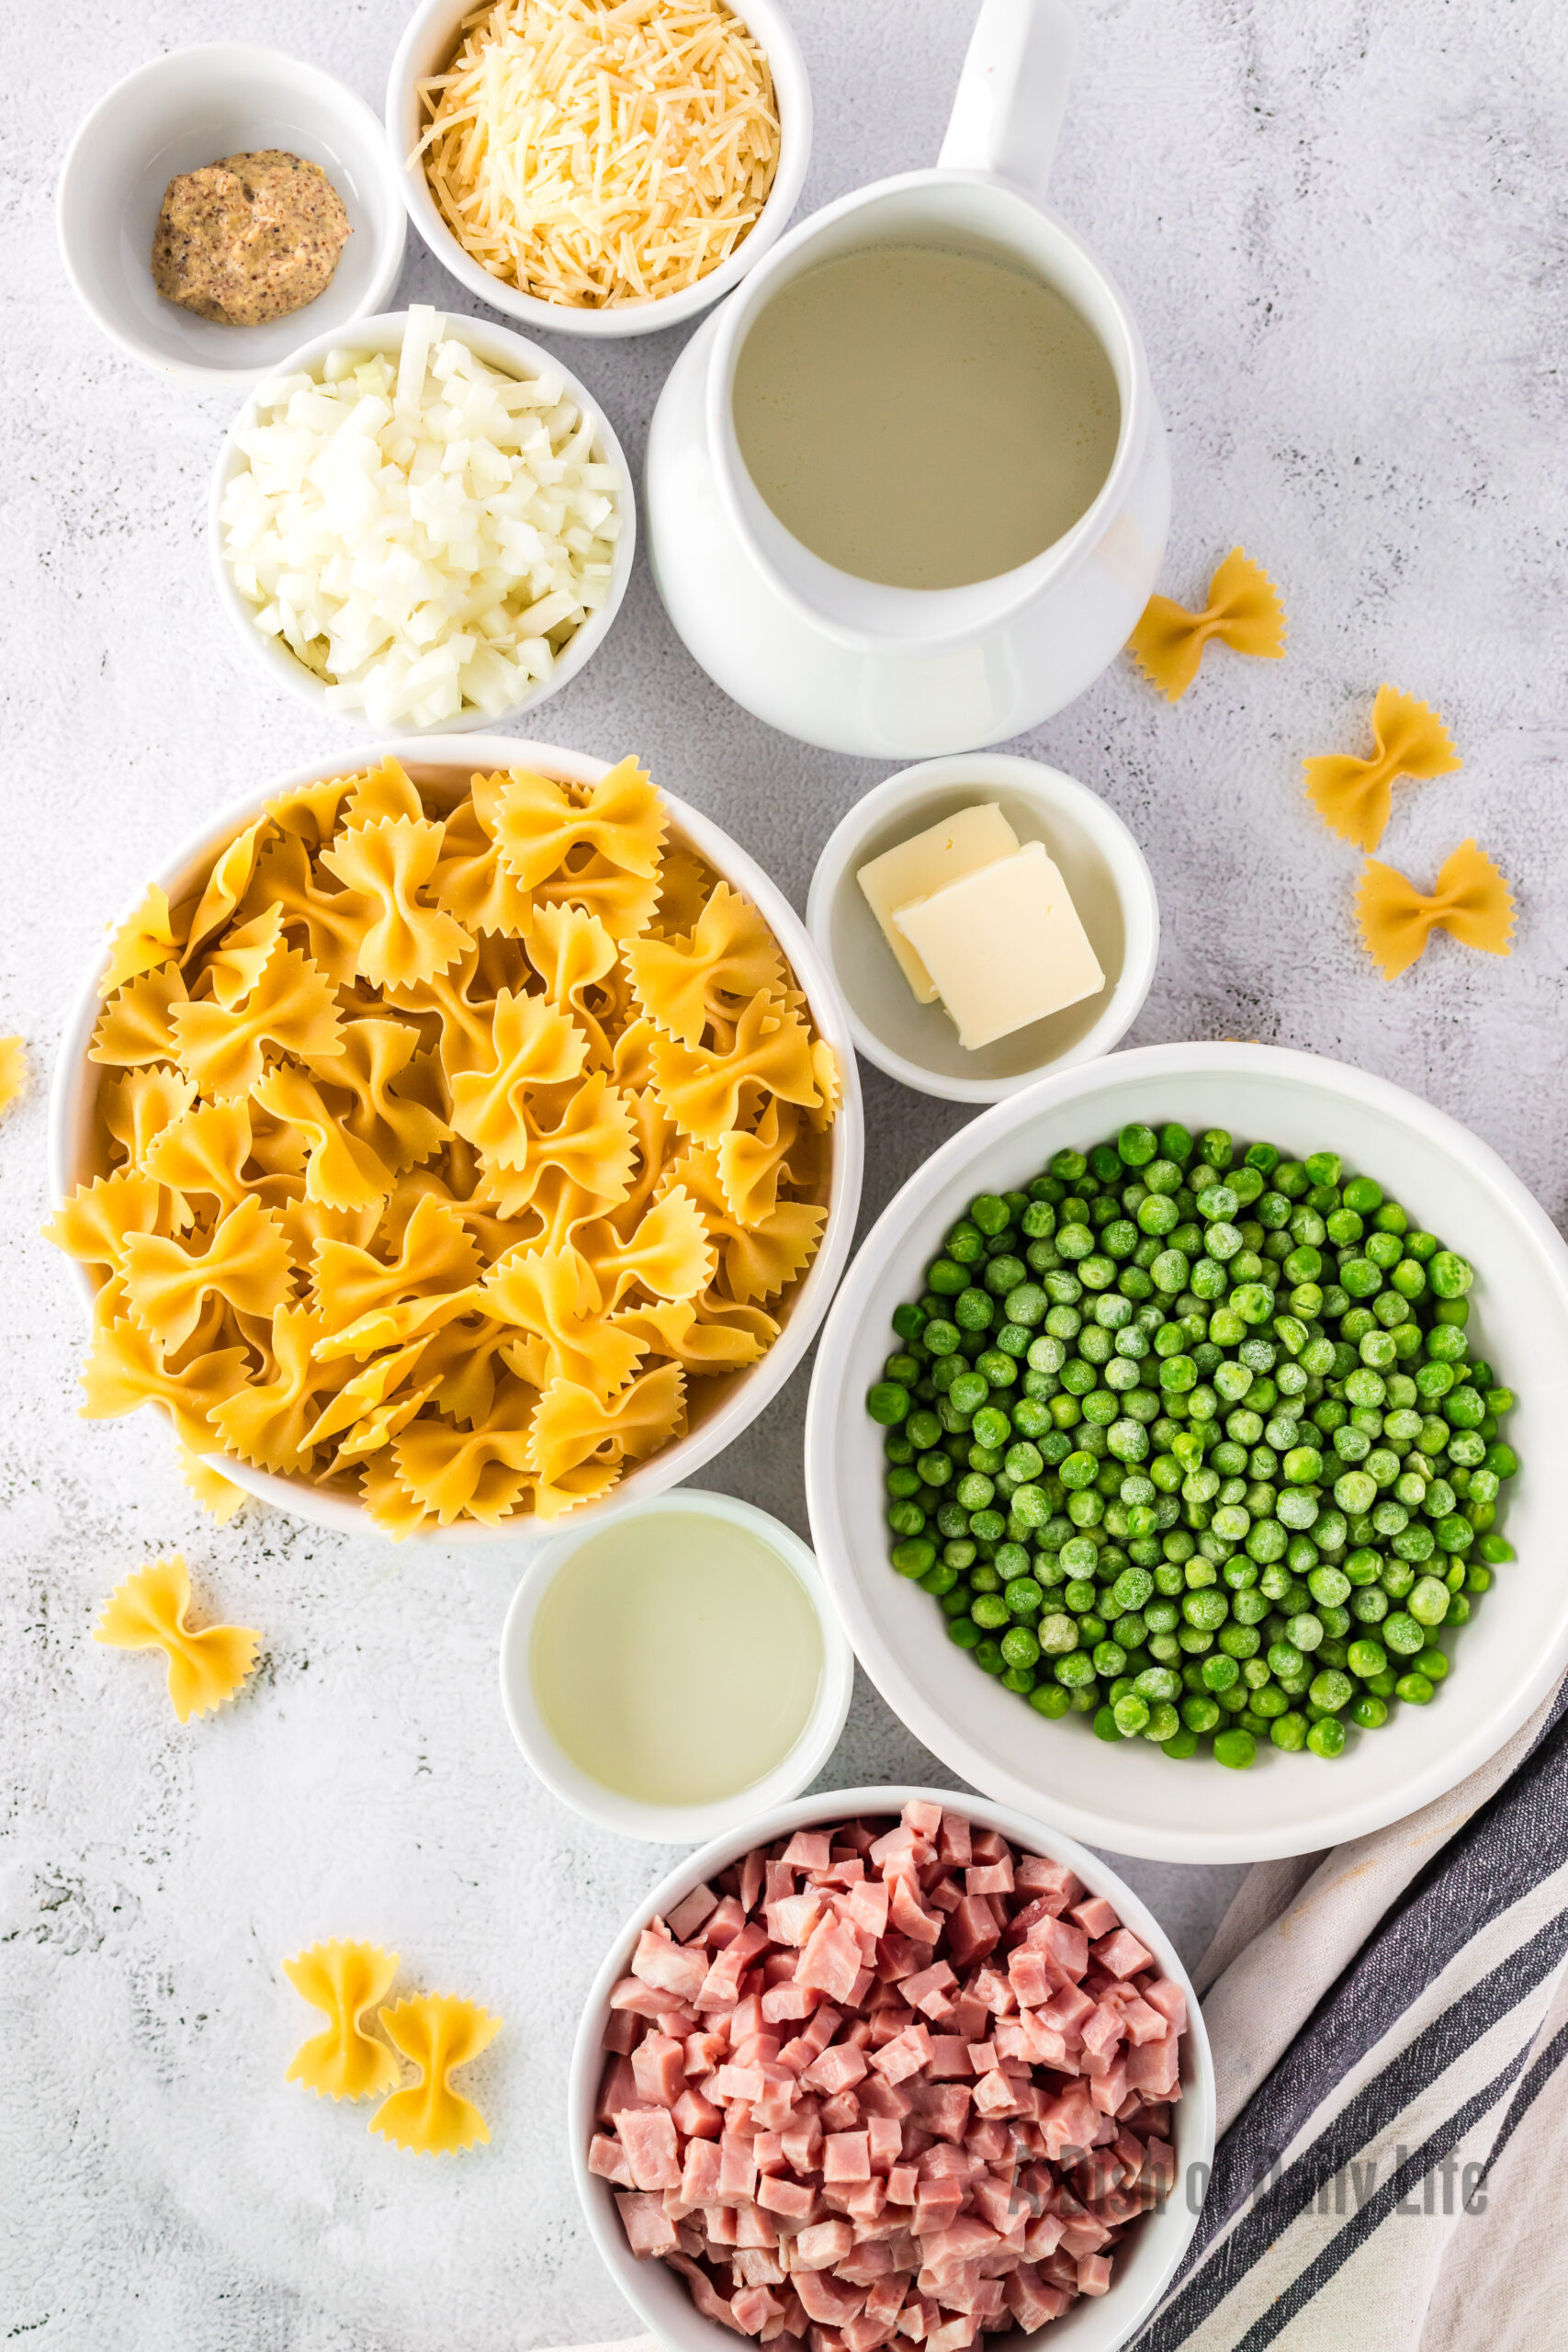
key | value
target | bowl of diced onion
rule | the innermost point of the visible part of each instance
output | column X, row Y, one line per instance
column 582, row 212
column 422, row 524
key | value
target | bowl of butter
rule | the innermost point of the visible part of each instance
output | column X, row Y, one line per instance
column 987, row 920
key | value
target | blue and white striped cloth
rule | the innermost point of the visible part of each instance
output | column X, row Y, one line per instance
column 1390, row 2026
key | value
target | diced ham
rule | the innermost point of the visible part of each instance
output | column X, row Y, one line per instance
column 648, row 2138
column 972, row 1930
column 991, row 1878
column 1032, row 1874
column 668, row 1966
column 808, row 1850
column 874, row 2089
column 691, row 1911
column 830, row 1961
column 1120, row 1954
column 908, row 2053
column 658, row 2069
column 607, row 2158
column 790, row 2199
column 927, row 1988
column 649, row 2231
column 838, row 2068
column 1155, row 2067
column 1170, row 2001
column 823, row 2299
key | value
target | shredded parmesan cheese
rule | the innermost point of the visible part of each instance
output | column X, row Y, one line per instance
column 423, row 533
column 593, row 154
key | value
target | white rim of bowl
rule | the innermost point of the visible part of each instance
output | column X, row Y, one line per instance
column 1196, row 2113
column 858, row 1296
column 767, row 22
column 530, row 359
column 672, row 1825
column 812, row 1295
column 1125, row 859
column 235, row 51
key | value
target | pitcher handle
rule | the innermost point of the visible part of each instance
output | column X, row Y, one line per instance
column 1013, row 93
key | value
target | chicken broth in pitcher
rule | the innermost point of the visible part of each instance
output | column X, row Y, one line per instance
column 922, row 418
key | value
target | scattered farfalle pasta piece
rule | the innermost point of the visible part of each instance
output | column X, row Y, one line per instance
column 1243, row 612
column 441, row 1138
column 1471, row 902
column 13, row 1069
column 436, row 2032
column 1352, row 795
column 148, row 1611
column 217, row 1496
column 343, row 1980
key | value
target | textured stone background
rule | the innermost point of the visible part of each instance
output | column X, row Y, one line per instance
column 1342, row 228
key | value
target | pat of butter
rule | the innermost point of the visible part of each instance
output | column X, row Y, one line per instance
column 962, row 843
column 1004, row 945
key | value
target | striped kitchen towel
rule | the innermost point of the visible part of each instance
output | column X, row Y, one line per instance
column 1390, row 2026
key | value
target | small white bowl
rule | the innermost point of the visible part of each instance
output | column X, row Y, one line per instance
column 188, row 109
column 668, row 1825
column 659, row 2295
column 513, row 356
column 1127, row 1794
column 427, row 46
column 453, row 759
column 1106, row 877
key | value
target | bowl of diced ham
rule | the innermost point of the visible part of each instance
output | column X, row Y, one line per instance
column 897, row 2067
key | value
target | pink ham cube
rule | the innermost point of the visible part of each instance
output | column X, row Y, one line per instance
column 659, row 2069
column 791, row 2199
column 953, row 1841
column 1120, row 1954
column 906, row 2055
column 823, row 2299
column 826, row 2242
column 1155, row 2067
column 1095, row 1916
column 691, row 1911
column 846, row 2156
column 648, row 2138
column 607, row 2159
column 699, row 2175
column 720, row 1988
column 808, row 1850
column 972, row 1930
column 1030, row 1976
column 929, row 1987
column 649, row 2231
column 1170, row 2001
column 910, row 1916
column 667, row 1966
column 1143, row 2021
column 991, row 1878
column 753, row 2306
column 1032, row 1874
column 830, row 1961
column 838, row 2068
column 1094, row 2274
column 1030, row 2300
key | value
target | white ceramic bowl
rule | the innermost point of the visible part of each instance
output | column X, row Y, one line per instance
column 499, row 348
column 1127, row 1795
column 190, row 108
column 668, row 1824
column 659, row 2295
column 1106, row 877
column 427, row 47
column 454, row 759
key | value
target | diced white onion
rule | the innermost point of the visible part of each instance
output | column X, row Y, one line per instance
column 424, row 534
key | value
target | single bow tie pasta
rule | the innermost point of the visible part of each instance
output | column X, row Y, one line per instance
column 1471, row 902
column 148, row 1611
column 443, row 1139
column 439, row 2033
column 1243, row 612
column 1353, row 796
column 344, row 1981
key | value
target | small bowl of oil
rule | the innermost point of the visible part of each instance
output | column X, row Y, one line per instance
column 676, row 1668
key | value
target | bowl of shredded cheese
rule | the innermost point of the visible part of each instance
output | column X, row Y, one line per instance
column 595, row 169
column 424, row 524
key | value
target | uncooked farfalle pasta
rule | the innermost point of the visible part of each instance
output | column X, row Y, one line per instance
column 452, row 1153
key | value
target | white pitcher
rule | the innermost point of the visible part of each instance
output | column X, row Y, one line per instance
column 890, row 672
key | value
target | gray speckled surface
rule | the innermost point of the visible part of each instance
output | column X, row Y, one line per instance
column 1341, row 228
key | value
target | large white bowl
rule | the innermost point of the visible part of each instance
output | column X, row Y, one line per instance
column 1107, row 877
column 672, row 1825
column 454, row 760
column 513, row 355
column 187, row 109
column 1127, row 1794
column 659, row 2295
column 426, row 48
